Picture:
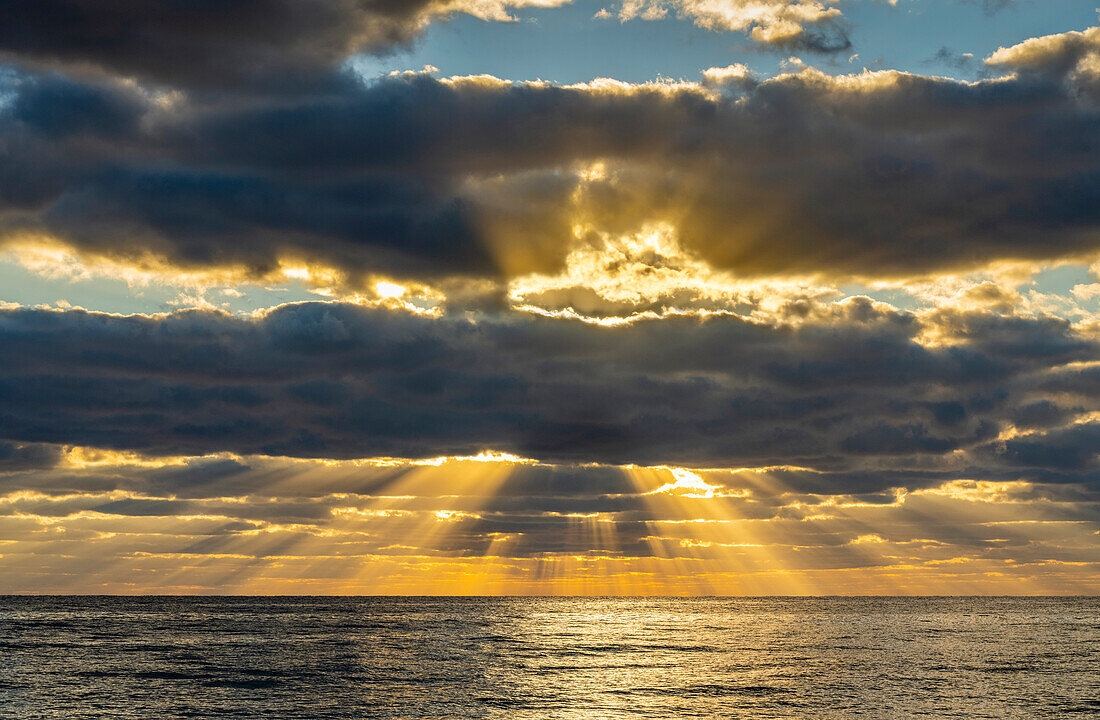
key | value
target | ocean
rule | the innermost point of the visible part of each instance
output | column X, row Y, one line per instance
column 380, row 657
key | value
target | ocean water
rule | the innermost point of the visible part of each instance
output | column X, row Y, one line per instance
column 110, row 657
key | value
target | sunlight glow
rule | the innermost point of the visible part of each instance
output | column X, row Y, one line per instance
column 687, row 484
column 386, row 289
column 449, row 525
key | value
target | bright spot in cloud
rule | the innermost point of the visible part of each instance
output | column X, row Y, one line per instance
column 389, row 290
column 687, row 484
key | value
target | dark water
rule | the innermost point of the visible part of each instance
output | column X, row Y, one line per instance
column 548, row 658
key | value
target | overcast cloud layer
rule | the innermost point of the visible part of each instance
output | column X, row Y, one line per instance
column 640, row 294
column 849, row 392
column 869, row 175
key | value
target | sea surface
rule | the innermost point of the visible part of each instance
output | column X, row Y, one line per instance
column 158, row 657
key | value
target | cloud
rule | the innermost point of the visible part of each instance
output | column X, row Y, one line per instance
column 850, row 391
column 18, row 457
column 357, row 526
column 1072, row 56
column 962, row 62
column 877, row 174
column 632, row 291
column 786, row 24
column 212, row 43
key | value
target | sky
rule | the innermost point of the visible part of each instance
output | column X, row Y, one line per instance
column 677, row 297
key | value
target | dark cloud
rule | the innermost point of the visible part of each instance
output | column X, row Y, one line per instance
column 827, row 37
column 16, row 457
column 209, row 43
column 876, row 174
column 211, row 219
column 963, row 62
column 59, row 108
column 1075, row 448
column 852, row 393
column 1042, row 413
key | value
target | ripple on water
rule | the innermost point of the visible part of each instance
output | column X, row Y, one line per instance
column 548, row 658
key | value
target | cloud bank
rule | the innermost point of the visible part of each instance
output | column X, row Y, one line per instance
column 879, row 174
column 854, row 394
